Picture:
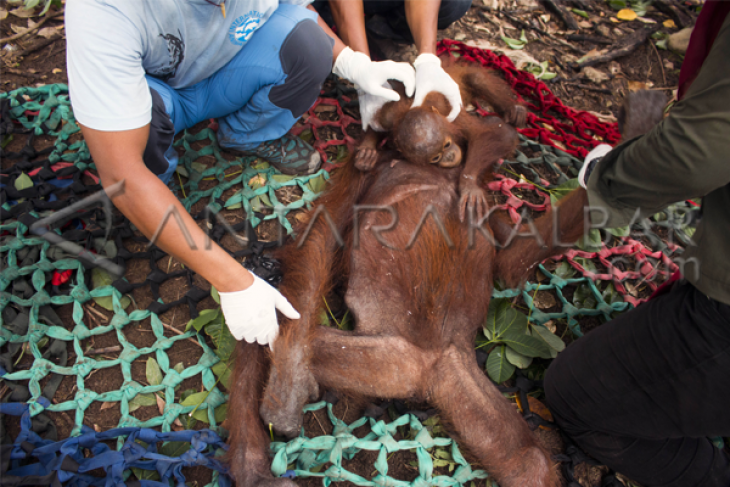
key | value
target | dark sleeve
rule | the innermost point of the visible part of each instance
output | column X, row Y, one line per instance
column 686, row 156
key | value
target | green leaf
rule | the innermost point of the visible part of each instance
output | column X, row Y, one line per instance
column 223, row 341
column 526, row 345
column 174, row 448
column 516, row 44
column 186, row 393
column 220, row 414
column 198, row 167
column 223, row 371
column 617, row 4
column 610, row 295
column 620, row 231
column 582, row 13
column 564, row 189
column 179, row 367
column 23, row 182
column 565, row 270
column 318, row 184
column 548, row 76
column 551, row 339
column 583, row 297
column 498, row 367
column 591, row 242
column 143, row 474
column 306, row 135
column 662, row 44
column 6, row 140
column 153, row 372
column 216, row 296
column 142, row 400
column 586, row 263
column 282, row 178
column 180, row 169
column 517, row 359
column 502, row 318
column 101, row 278
column 194, row 399
column 342, row 152
column 204, row 317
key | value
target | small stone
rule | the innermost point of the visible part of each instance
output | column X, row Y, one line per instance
column 680, row 40
column 618, row 32
column 668, row 64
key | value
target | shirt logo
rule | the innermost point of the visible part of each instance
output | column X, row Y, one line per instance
column 243, row 27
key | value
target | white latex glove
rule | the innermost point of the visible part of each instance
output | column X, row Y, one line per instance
column 585, row 171
column 369, row 106
column 430, row 76
column 371, row 77
column 251, row 314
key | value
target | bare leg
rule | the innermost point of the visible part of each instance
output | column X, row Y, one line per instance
column 248, row 457
column 487, row 424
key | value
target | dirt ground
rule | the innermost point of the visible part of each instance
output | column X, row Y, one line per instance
column 34, row 59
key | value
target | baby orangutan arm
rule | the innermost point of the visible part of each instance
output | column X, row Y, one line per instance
column 367, row 151
column 487, row 143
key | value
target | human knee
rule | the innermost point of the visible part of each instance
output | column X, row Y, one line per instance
column 306, row 59
column 451, row 11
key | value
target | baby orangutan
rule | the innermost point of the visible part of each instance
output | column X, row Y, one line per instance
column 422, row 135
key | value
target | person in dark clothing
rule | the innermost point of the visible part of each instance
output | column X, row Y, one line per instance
column 643, row 393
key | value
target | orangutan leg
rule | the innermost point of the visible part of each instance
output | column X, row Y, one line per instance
column 373, row 366
column 248, row 456
column 487, row 424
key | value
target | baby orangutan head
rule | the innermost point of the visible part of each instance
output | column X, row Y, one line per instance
column 423, row 136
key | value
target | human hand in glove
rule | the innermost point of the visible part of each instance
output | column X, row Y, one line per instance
column 371, row 79
column 430, row 76
column 251, row 314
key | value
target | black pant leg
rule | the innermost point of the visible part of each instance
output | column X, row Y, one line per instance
column 162, row 132
column 643, row 392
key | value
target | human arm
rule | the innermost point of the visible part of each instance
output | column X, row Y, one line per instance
column 685, row 156
column 146, row 200
column 422, row 17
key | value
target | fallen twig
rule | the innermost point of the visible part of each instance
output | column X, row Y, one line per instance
column 674, row 10
column 175, row 330
column 661, row 63
column 588, row 87
column 25, row 74
column 595, row 40
column 45, row 19
column 634, row 41
column 35, row 47
column 101, row 351
column 562, row 14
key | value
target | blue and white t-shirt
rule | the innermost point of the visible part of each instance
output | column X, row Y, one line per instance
column 112, row 44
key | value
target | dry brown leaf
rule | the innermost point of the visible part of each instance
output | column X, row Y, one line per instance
column 18, row 29
column 646, row 20
column 22, row 13
column 626, row 14
column 460, row 36
column 638, row 85
column 669, row 24
column 107, row 405
column 584, row 24
column 3, row 14
column 595, row 75
column 614, row 20
column 48, row 32
column 97, row 428
column 550, row 325
column 57, row 70
column 544, row 300
column 160, row 404
column 604, row 117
